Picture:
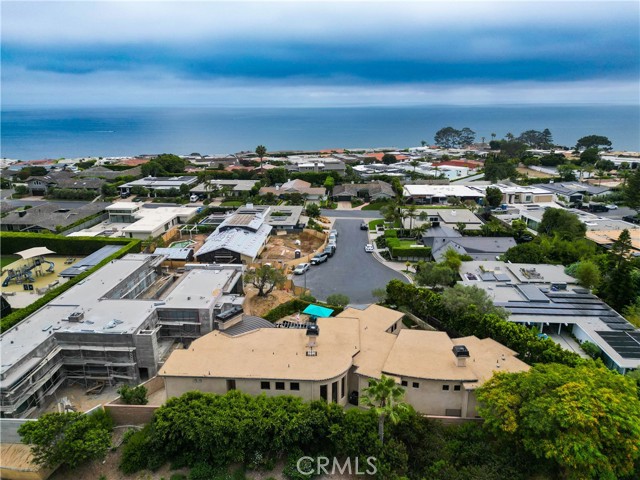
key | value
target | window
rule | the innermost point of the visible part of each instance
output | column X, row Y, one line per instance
column 342, row 389
column 445, row 387
column 265, row 385
column 279, row 385
column 323, row 392
column 231, row 385
column 456, row 388
column 416, row 385
column 294, row 386
column 404, row 383
column 334, row 392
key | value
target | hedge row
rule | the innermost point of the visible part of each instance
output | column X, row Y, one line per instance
column 399, row 251
column 406, row 252
column 132, row 246
column 13, row 242
column 294, row 306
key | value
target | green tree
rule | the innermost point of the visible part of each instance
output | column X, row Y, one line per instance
column 329, row 183
column 632, row 190
column 261, row 151
column 434, row 274
column 447, row 137
column 452, row 259
column 338, row 299
column 109, row 190
column 265, row 278
column 594, row 141
column 380, row 294
column 385, row 397
column 497, row 167
column 586, row 419
column 459, row 299
column 133, row 395
column 563, row 223
column 67, row 438
column 588, row 274
column 493, row 197
column 567, row 172
column 313, row 210
column 389, row 158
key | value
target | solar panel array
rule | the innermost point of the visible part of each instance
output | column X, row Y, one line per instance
column 626, row 344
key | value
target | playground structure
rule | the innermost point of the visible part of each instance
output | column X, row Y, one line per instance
column 36, row 266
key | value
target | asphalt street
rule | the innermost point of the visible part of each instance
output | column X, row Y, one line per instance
column 351, row 271
column 371, row 214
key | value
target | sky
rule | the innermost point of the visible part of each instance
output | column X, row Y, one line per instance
column 308, row 54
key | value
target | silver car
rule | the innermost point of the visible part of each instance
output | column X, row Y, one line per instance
column 301, row 268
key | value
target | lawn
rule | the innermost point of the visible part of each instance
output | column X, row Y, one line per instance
column 232, row 203
column 7, row 259
column 373, row 224
column 375, row 206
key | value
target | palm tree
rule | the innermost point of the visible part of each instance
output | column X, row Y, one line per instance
column 414, row 164
column 385, row 397
column 261, row 151
column 509, row 136
column 410, row 213
column 493, row 136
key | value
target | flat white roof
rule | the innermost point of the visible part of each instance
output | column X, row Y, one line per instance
column 441, row 191
column 154, row 218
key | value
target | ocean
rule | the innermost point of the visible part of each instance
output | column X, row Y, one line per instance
column 32, row 133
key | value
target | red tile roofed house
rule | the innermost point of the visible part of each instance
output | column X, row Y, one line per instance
column 470, row 164
column 378, row 156
column 133, row 162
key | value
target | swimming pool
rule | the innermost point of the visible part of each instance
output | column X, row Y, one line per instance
column 182, row 244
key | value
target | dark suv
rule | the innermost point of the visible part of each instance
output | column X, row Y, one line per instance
column 329, row 251
column 364, row 226
column 319, row 258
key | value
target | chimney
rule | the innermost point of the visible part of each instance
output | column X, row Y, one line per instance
column 461, row 353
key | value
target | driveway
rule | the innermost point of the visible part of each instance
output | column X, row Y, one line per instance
column 351, row 271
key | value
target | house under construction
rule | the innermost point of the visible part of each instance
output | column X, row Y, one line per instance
column 114, row 327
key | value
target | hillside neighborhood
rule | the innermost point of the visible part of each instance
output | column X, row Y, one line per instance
column 378, row 301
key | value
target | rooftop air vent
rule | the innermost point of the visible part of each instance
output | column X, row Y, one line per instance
column 76, row 317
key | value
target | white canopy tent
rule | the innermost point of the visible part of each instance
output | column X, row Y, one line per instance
column 34, row 252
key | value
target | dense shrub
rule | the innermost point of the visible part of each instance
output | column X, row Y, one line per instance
column 134, row 395
column 13, row 242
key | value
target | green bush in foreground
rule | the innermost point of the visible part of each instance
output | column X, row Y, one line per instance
column 67, row 439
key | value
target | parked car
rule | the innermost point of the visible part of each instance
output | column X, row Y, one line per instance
column 612, row 206
column 319, row 258
column 332, row 245
column 329, row 251
column 301, row 268
column 364, row 226
column 632, row 219
column 333, row 238
column 334, row 232
column 193, row 198
column 369, row 248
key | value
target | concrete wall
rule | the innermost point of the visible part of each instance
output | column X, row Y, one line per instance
column 123, row 414
column 87, row 224
column 9, row 429
column 430, row 399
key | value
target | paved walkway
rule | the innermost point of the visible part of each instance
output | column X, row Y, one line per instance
column 568, row 343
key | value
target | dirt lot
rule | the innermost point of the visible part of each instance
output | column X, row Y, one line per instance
column 532, row 173
column 282, row 247
column 254, row 305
